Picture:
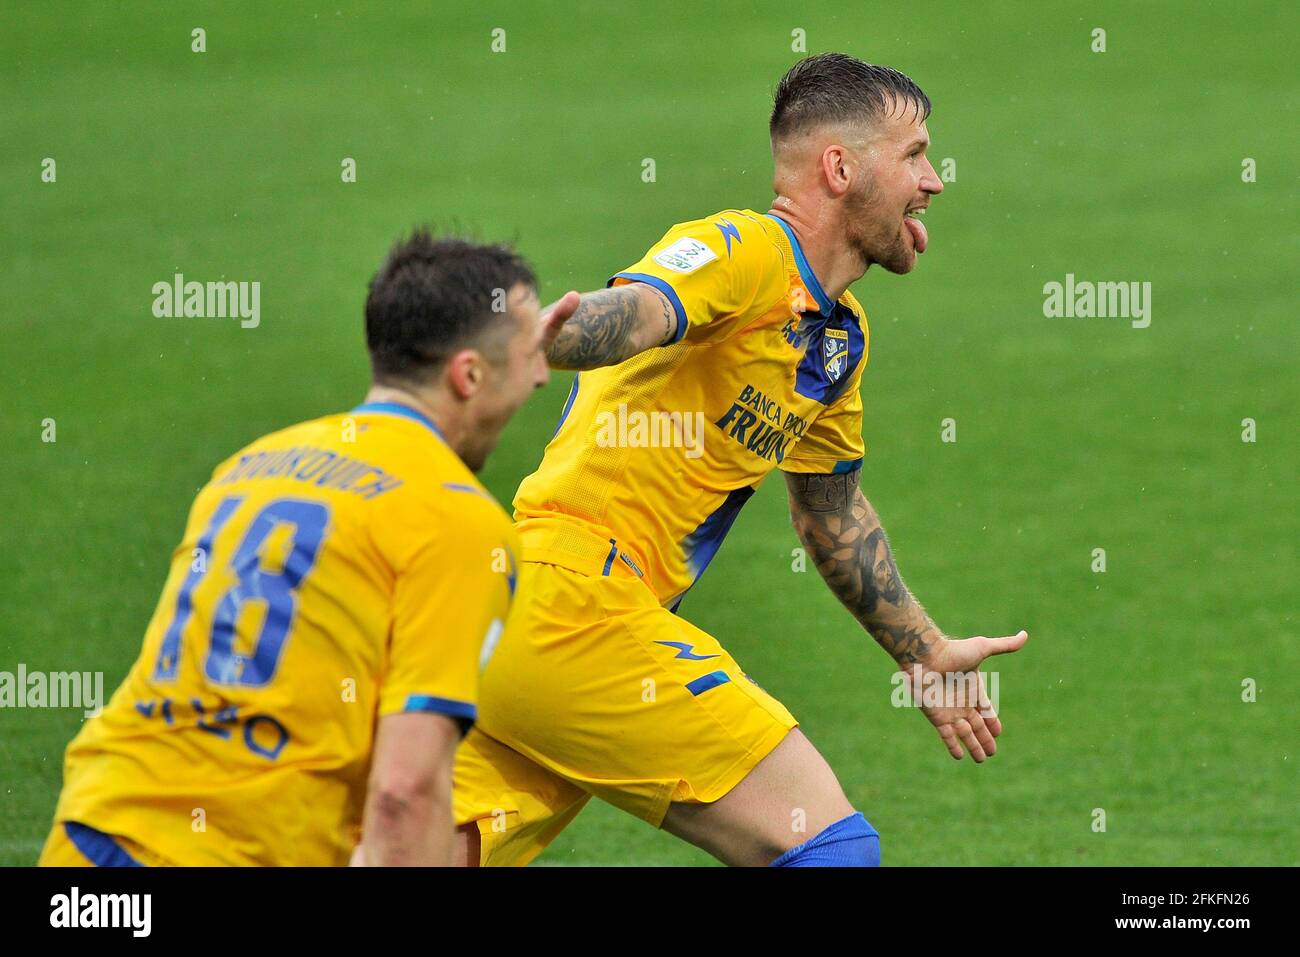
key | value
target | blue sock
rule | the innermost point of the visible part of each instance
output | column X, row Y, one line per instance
column 851, row 842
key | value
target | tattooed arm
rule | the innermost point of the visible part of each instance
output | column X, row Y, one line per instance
column 842, row 534
column 610, row 325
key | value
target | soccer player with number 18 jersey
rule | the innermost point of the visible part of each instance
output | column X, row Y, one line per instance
column 313, row 661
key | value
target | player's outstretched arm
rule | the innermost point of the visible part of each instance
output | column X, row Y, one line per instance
column 407, row 819
column 843, row 535
column 604, row 327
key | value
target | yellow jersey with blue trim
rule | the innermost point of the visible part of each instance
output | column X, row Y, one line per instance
column 330, row 573
column 653, row 458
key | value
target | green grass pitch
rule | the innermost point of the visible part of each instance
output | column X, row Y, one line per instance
column 1073, row 434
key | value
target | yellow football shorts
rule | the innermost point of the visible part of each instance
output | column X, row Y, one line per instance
column 600, row 690
column 60, row 851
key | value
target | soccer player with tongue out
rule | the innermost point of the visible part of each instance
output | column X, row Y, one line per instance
column 742, row 321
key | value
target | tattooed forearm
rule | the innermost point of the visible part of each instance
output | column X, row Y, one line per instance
column 611, row 325
column 843, row 536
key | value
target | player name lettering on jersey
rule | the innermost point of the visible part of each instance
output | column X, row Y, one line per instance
column 320, row 467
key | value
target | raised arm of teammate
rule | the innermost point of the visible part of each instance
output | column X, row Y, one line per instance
column 843, row 536
column 604, row 327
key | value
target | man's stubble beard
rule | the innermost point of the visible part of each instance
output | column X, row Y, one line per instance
column 875, row 237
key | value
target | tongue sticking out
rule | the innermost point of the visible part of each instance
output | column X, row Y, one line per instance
column 920, row 238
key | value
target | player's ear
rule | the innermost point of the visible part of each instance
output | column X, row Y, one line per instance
column 465, row 373
column 835, row 167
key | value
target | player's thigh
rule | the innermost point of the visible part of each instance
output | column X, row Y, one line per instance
column 507, row 807
column 789, row 797
column 615, row 694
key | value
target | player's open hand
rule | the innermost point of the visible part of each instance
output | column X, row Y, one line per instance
column 950, row 690
column 555, row 316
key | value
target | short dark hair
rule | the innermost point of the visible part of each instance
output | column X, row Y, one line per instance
column 433, row 296
column 836, row 87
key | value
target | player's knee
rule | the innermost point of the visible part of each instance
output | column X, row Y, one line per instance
column 850, row 842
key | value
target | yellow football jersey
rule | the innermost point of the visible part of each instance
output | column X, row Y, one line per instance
column 653, row 458
column 330, row 573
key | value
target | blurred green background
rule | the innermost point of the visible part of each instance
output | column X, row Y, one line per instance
column 1073, row 434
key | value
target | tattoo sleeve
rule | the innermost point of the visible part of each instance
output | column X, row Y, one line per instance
column 843, row 536
column 611, row 325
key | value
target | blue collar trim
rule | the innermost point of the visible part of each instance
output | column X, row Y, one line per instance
column 805, row 271
column 404, row 411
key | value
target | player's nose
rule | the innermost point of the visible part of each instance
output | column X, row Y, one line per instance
column 930, row 181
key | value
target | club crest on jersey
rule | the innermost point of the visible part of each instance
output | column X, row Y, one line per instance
column 835, row 350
